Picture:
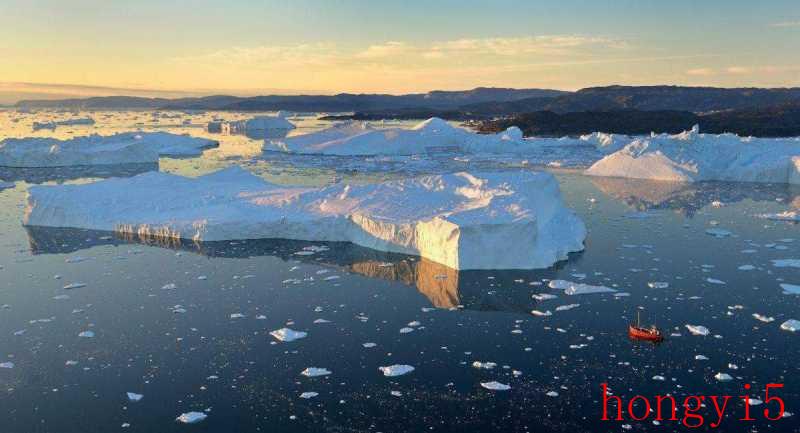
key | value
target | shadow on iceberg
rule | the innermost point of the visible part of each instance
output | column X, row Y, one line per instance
column 36, row 175
column 444, row 287
column 688, row 198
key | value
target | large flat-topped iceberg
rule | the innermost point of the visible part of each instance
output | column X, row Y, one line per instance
column 465, row 221
column 122, row 148
column 691, row 156
column 431, row 136
column 260, row 127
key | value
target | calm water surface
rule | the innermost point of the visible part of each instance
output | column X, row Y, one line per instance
column 187, row 325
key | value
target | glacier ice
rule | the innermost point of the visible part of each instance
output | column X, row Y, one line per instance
column 691, row 157
column 510, row 220
column 122, row 148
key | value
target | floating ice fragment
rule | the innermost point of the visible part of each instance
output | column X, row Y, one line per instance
column 74, row 286
column 567, row 307
column 369, row 345
column 698, row 330
column 715, row 281
column 659, row 378
column 406, row 330
column 701, row 358
column 86, row 334
column 786, row 263
column 782, row 216
column 495, row 386
column 791, row 325
column 762, row 318
column 169, row 286
column 191, row 417
column 746, row 268
column 315, row 372
column 790, row 289
column 571, row 288
column 543, row 296
column 133, row 397
column 657, row 285
column 718, row 233
column 287, row 335
column 8, row 364
column 552, row 393
column 541, row 313
column 309, row 394
column 723, row 377
column 396, row 370
column 237, row 316
column 484, row 365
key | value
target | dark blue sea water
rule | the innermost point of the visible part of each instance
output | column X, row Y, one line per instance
column 166, row 324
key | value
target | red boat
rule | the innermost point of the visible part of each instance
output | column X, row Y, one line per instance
column 638, row 332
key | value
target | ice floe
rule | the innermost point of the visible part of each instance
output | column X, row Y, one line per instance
column 191, row 417
column 122, row 148
column 286, row 335
column 691, row 157
column 396, row 370
column 723, row 377
column 464, row 221
column 315, row 372
column 791, row 325
column 495, row 386
column 790, row 289
column 134, row 397
column 698, row 330
column 786, row 263
column 572, row 288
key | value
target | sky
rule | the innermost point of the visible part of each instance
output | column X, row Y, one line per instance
column 53, row 48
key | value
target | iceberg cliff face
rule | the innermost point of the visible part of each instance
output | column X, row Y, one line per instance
column 431, row 136
column 691, row 156
column 123, row 148
column 464, row 221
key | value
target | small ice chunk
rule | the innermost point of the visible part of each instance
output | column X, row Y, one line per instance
column 369, row 345
column 495, row 386
column 723, row 377
column 657, row 285
column 763, row 318
column 287, row 335
column 8, row 364
column 567, row 307
column 714, row 281
column 309, row 394
column 572, row 288
column 659, row 378
column 791, row 325
column 790, row 289
column 746, row 268
column 552, row 393
column 396, row 370
column 74, row 286
column 484, row 365
column 191, row 417
column 86, row 334
column 701, row 358
column 698, row 330
column 718, row 233
column 541, row 313
column 315, row 372
column 786, row 263
column 543, row 296
column 134, row 397
column 237, row 316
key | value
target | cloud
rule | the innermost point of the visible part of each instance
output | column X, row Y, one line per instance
column 388, row 49
column 786, row 24
column 739, row 70
column 702, row 72
column 557, row 45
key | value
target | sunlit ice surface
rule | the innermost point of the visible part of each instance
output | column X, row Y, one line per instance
column 187, row 325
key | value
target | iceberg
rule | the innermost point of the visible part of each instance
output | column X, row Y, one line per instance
column 510, row 220
column 69, row 122
column 431, row 136
column 791, row 325
column 693, row 157
column 122, row 148
column 258, row 127
column 191, row 417
column 572, row 288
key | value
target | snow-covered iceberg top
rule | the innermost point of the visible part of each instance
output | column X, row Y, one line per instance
column 122, row 148
column 464, row 221
column 691, row 156
column 431, row 136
